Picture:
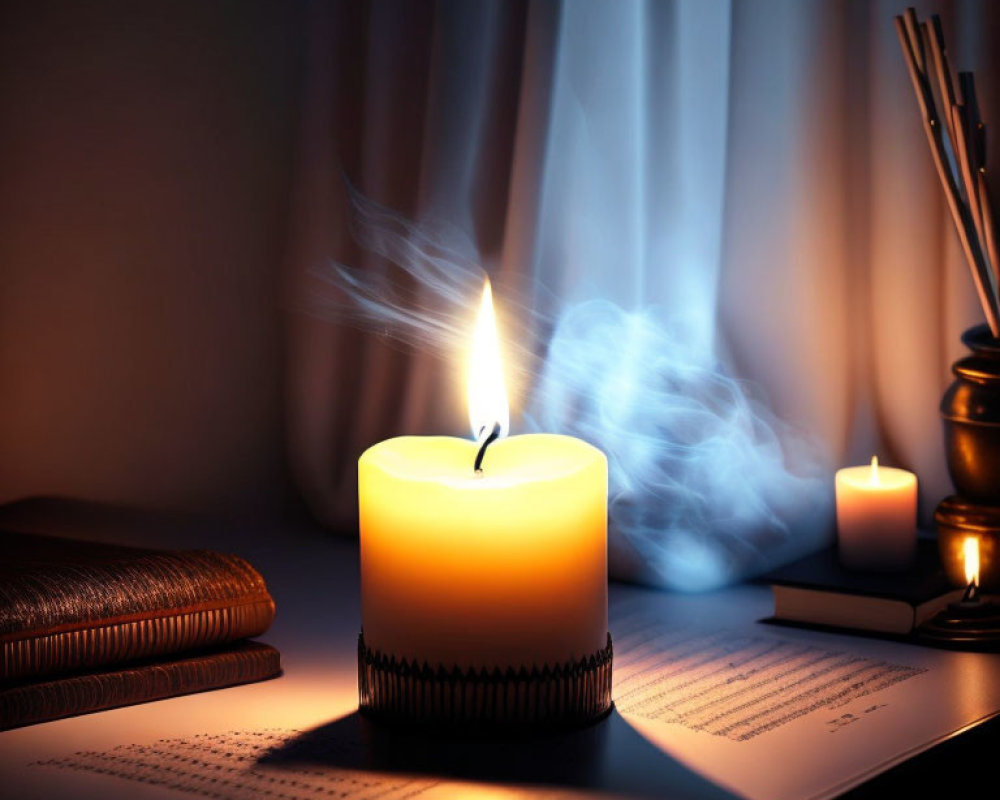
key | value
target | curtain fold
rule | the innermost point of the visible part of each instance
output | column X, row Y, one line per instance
column 745, row 184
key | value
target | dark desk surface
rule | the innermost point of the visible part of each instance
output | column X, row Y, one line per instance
column 313, row 577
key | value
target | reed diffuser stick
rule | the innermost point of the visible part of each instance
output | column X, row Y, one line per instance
column 989, row 220
column 942, row 69
column 977, row 131
column 913, row 34
column 966, row 168
column 917, row 77
column 908, row 31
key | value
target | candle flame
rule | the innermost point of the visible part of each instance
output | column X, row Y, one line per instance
column 486, row 392
column 971, row 549
column 875, row 480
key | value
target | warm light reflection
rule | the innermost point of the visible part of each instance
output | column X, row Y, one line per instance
column 486, row 392
column 970, row 547
column 875, row 480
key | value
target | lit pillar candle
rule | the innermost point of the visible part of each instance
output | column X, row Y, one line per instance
column 876, row 517
column 506, row 567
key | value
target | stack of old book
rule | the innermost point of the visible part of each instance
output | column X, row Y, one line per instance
column 87, row 626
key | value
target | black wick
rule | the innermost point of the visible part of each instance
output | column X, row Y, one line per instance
column 494, row 435
column 971, row 593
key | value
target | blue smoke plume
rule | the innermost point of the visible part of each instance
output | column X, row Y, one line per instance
column 706, row 485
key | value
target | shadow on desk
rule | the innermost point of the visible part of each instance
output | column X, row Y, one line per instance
column 609, row 756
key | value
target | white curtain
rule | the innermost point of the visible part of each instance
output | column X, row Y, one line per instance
column 743, row 188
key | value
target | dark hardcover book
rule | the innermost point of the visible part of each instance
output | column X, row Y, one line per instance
column 29, row 702
column 68, row 605
column 817, row 590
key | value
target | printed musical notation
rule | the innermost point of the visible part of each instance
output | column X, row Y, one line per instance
column 231, row 764
column 239, row 764
column 737, row 686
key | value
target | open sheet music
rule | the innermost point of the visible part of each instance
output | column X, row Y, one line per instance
column 774, row 713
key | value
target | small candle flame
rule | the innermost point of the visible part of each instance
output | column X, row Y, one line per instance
column 875, row 480
column 970, row 547
column 486, row 391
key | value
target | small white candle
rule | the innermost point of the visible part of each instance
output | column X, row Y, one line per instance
column 876, row 517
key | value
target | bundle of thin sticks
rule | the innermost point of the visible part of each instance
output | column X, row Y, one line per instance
column 958, row 148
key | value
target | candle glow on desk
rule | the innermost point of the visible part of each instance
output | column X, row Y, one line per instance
column 502, row 568
column 876, row 517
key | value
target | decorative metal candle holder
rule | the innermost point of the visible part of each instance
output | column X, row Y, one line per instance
column 957, row 520
column 970, row 411
column 973, row 623
column 401, row 692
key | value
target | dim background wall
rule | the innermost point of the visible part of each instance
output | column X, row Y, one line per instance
column 169, row 170
column 145, row 160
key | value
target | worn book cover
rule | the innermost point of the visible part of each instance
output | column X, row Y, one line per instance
column 817, row 590
column 68, row 605
column 30, row 701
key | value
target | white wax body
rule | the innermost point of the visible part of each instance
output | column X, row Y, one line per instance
column 876, row 520
column 503, row 569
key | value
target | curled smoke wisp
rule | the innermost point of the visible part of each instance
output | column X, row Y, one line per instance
column 706, row 485
column 425, row 292
column 424, row 297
